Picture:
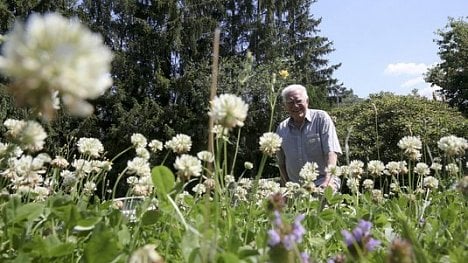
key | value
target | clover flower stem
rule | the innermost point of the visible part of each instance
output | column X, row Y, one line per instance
column 425, row 205
column 410, row 177
column 117, row 182
column 235, row 152
column 254, row 190
column 120, row 154
column 272, row 105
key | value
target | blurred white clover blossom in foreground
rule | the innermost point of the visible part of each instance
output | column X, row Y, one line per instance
column 228, row 110
column 51, row 54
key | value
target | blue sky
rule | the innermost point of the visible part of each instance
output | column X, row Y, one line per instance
column 385, row 45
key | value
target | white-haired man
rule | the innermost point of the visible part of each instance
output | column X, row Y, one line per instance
column 308, row 136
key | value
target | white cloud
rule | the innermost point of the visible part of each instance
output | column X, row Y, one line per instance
column 403, row 68
column 413, row 82
column 428, row 92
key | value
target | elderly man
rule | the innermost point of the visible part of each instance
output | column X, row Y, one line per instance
column 308, row 136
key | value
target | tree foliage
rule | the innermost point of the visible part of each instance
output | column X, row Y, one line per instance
column 374, row 127
column 451, row 74
column 162, row 58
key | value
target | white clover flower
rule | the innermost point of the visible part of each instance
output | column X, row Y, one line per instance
column 248, row 165
column 452, row 169
column 246, row 183
column 353, row 184
column 30, row 135
column 89, row 188
column 228, row 110
column 199, row 189
column 219, row 131
column 143, row 187
column 394, row 188
column 240, row 193
column 375, row 168
column 292, row 187
column 453, row 145
column 436, row 166
column 206, row 156
column 132, row 180
column 309, row 172
column 411, row 146
column 334, row 170
column 69, row 178
column 187, row 166
column 368, row 184
column 138, row 140
column 3, row 149
column 356, row 169
column 155, row 146
column 403, row 167
column 310, row 187
column 83, row 167
column 229, row 179
column 345, row 170
column 142, row 152
column 59, row 162
column 180, row 143
column 104, row 165
column 41, row 193
column 51, row 53
column 422, row 169
column 139, row 166
column 270, row 143
column 210, row 183
column 392, row 168
column 14, row 127
column 90, row 147
column 430, row 182
column 377, row 196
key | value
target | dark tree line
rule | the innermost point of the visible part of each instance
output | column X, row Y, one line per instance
column 161, row 67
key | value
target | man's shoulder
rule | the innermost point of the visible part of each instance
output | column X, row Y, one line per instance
column 282, row 125
column 318, row 113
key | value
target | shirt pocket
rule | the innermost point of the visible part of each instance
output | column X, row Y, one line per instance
column 313, row 144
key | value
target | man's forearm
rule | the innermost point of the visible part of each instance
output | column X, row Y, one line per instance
column 332, row 159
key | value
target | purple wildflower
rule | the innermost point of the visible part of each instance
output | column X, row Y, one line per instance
column 273, row 238
column 360, row 238
column 371, row 244
column 297, row 229
column 278, row 222
column 305, row 258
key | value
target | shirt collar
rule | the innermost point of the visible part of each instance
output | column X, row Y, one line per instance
column 308, row 117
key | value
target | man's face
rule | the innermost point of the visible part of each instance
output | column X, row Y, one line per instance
column 296, row 105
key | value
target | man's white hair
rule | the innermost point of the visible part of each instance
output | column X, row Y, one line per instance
column 293, row 87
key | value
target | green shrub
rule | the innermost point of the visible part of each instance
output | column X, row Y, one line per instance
column 375, row 126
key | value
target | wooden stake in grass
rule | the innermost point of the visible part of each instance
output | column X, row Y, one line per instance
column 214, row 84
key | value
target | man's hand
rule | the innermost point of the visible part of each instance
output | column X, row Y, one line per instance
column 328, row 182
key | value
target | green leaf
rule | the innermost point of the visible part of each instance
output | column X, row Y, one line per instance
column 102, row 247
column 163, row 179
column 229, row 258
column 124, row 235
column 327, row 215
column 87, row 223
column 328, row 193
column 53, row 247
column 150, row 217
column 29, row 211
column 68, row 214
